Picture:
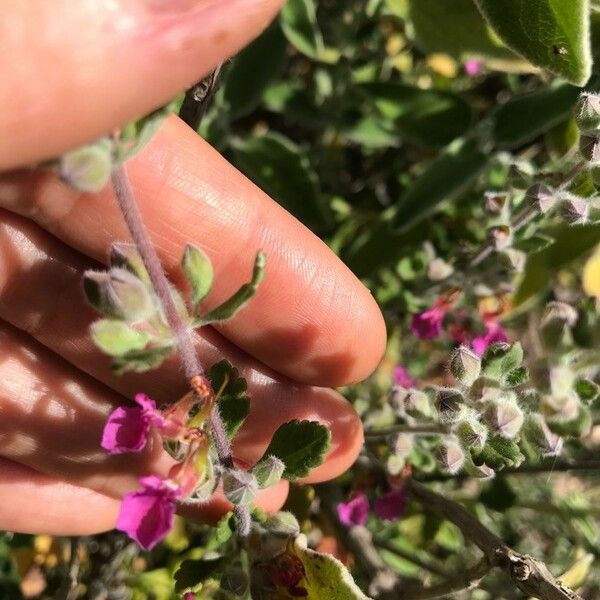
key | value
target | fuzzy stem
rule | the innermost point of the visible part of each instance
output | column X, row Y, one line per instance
column 182, row 333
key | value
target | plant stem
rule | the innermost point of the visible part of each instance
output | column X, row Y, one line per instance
column 182, row 333
column 423, row 429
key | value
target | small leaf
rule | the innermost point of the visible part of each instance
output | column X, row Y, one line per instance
column 526, row 117
column 268, row 471
column 87, row 169
column 198, row 270
column 117, row 338
column 140, row 361
column 144, row 130
column 587, row 390
column 240, row 298
column 552, row 34
column 444, row 179
column 301, row 445
column 233, row 401
column 299, row 23
column 516, row 377
column 500, row 359
column 425, row 117
column 252, row 70
column 126, row 256
column 534, row 243
column 192, row 573
column 239, row 487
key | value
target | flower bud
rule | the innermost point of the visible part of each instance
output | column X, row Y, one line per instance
column 127, row 257
column 556, row 324
column 451, row 456
column 495, row 202
column 504, row 416
column 119, row 294
column 472, row 434
column 402, row 444
column 575, row 210
column 587, row 111
column 239, row 487
column 394, row 465
column 417, row 404
column 542, row 197
column 282, row 523
column 536, row 432
column 268, row 471
column 479, row 471
column 515, row 259
column 465, row 365
column 439, row 269
column 484, row 389
column 589, row 146
column 450, row 405
column 500, row 236
column 87, row 169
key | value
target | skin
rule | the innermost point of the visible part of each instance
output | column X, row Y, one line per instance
column 311, row 325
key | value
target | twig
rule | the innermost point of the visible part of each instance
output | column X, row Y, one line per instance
column 531, row 576
column 467, row 580
column 182, row 333
column 197, row 99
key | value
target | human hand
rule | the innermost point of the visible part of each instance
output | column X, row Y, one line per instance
column 74, row 71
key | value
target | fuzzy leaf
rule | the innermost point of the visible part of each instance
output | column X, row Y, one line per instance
column 299, row 23
column 500, row 359
column 198, row 270
column 233, row 403
column 516, row 377
column 240, row 298
column 587, row 390
column 87, row 169
column 192, row 573
column 425, row 117
column 117, row 338
column 140, row 361
column 301, row 445
column 552, row 34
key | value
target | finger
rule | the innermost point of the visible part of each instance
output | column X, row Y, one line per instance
column 47, row 505
column 311, row 319
column 41, row 277
column 73, row 71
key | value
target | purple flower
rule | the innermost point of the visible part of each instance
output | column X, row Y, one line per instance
column 494, row 332
column 391, row 505
column 473, row 67
column 127, row 428
column 403, row 379
column 189, row 596
column 147, row 515
column 427, row 325
column 355, row 511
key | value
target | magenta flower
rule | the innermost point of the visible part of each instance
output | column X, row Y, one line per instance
column 355, row 511
column 473, row 67
column 147, row 515
column 189, row 596
column 427, row 325
column 391, row 505
column 127, row 428
column 494, row 332
column 403, row 379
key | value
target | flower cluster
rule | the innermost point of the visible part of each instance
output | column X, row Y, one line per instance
column 388, row 506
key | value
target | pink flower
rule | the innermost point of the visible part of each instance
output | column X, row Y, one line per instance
column 403, row 379
column 147, row 515
column 355, row 511
column 494, row 332
column 427, row 325
column 127, row 428
column 391, row 505
column 473, row 67
column 189, row 596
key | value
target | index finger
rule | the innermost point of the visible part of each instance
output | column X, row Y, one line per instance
column 311, row 319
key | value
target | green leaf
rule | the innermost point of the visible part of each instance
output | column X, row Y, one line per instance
column 552, row 34
column 198, row 270
column 233, row 403
column 301, row 445
column 240, row 298
column 500, row 359
column 252, row 70
column 444, row 179
column 464, row 32
column 570, row 243
column 140, row 361
column 425, row 117
column 498, row 495
column 192, row 573
column 117, row 338
column 499, row 453
column 532, row 244
column 517, row 377
column 281, row 169
column 522, row 119
column 142, row 133
column 587, row 390
column 298, row 20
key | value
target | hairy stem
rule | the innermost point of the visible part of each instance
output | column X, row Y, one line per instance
column 423, row 429
column 182, row 333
